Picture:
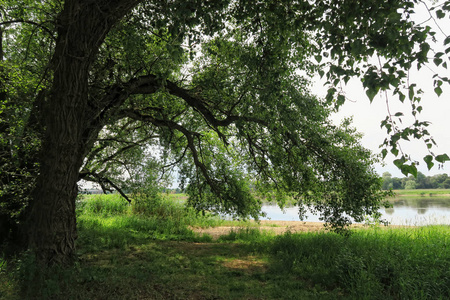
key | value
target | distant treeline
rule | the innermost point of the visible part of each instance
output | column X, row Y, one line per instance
column 440, row 181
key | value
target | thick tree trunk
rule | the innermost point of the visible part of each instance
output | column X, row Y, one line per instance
column 52, row 221
column 82, row 28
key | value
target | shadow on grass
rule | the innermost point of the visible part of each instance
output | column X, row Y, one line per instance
column 153, row 268
column 127, row 257
column 119, row 232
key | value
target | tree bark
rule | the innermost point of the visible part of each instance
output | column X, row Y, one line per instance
column 2, row 77
column 82, row 27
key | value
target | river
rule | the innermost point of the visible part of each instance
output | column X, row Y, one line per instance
column 416, row 211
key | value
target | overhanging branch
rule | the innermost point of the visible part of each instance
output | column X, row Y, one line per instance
column 94, row 177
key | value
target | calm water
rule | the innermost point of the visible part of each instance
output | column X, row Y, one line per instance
column 406, row 211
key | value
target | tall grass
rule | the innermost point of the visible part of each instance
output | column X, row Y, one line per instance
column 108, row 221
column 412, row 263
column 146, row 206
column 102, row 205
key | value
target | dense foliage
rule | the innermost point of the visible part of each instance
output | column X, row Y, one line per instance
column 122, row 92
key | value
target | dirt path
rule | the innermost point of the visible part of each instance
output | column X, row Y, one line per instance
column 278, row 227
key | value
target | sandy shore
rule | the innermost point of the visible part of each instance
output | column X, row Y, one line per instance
column 277, row 227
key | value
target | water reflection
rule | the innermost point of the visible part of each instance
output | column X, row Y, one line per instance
column 405, row 211
column 389, row 211
column 418, row 211
column 422, row 202
column 421, row 211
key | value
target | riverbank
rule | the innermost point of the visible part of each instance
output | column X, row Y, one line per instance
column 274, row 228
column 422, row 193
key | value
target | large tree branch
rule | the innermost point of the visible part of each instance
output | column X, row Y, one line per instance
column 118, row 93
column 198, row 105
column 150, row 84
column 94, row 177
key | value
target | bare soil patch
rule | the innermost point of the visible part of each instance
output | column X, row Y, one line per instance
column 277, row 227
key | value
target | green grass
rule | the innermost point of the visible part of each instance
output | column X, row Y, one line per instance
column 412, row 263
column 422, row 192
column 147, row 251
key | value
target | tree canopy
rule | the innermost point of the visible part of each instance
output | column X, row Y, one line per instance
column 121, row 92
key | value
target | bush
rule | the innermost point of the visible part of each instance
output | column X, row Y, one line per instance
column 156, row 205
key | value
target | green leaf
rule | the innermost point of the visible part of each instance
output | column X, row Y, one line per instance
column 321, row 73
column 394, row 138
column 429, row 161
column 411, row 92
column 437, row 61
column 412, row 169
column 340, row 100
column 330, row 95
column 394, row 151
column 404, row 168
column 371, row 93
column 447, row 41
column 399, row 162
column 438, row 91
column 440, row 14
column 442, row 158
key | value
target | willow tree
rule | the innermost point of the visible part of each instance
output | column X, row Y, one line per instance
column 220, row 88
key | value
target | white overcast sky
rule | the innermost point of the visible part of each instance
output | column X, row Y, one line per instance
column 367, row 116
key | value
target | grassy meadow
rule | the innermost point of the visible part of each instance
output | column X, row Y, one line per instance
column 147, row 250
